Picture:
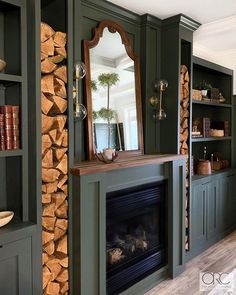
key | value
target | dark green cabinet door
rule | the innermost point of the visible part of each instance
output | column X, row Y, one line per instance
column 15, row 268
column 199, row 195
column 212, row 208
column 231, row 200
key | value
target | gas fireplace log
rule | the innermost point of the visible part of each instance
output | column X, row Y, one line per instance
column 49, row 223
column 59, row 39
column 47, row 48
column 46, row 32
column 47, row 66
column 46, row 104
column 61, row 73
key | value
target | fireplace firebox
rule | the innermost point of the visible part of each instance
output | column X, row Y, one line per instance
column 136, row 222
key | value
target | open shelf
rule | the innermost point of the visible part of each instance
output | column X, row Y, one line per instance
column 10, row 78
column 198, row 177
column 214, row 104
column 11, row 153
column 204, row 139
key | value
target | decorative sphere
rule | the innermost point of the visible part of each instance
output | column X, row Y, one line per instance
column 159, row 115
column 80, row 113
column 80, row 70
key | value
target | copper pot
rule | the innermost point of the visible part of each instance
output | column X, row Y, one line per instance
column 204, row 167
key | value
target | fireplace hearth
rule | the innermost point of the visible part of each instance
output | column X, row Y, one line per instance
column 135, row 234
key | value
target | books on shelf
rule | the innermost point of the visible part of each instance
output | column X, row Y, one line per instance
column 9, row 127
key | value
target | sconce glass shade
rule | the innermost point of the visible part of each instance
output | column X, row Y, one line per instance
column 80, row 112
column 80, row 70
column 159, row 114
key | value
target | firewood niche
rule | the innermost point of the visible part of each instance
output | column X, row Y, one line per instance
column 54, row 161
column 184, row 137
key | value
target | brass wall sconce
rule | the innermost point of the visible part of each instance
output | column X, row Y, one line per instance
column 159, row 113
column 80, row 111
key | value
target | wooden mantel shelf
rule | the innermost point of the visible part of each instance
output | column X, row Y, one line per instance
column 89, row 167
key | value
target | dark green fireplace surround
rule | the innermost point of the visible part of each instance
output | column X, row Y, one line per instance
column 90, row 221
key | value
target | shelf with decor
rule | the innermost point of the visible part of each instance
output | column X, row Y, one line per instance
column 211, row 104
column 205, row 139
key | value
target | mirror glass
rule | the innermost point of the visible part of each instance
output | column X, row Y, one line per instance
column 114, row 110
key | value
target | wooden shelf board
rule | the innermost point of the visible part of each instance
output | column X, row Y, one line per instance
column 214, row 104
column 88, row 167
column 204, row 139
column 10, row 78
column 11, row 153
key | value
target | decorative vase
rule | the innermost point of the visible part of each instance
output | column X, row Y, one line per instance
column 204, row 93
column 109, row 153
column 2, row 64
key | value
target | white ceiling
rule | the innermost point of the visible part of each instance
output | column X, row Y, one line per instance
column 215, row 40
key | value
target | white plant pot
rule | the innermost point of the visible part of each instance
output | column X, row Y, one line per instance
column 204, row 93
column 108, row 153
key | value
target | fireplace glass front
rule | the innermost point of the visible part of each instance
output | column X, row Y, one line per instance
column 135, row 234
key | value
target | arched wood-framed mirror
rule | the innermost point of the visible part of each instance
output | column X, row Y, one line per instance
column 113, row 92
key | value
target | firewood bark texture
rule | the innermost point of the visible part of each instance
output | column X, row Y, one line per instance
column 54, row 162
column 184, row 136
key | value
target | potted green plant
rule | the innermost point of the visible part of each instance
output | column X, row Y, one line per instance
column 204, row 87
column 107, row 80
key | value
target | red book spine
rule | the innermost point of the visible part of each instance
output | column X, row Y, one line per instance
column 16, row 129
column 7, row 111
column 2, row 132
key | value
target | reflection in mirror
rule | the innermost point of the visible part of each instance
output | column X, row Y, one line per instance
column 113, row 95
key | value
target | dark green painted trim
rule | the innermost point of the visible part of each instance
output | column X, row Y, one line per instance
column 150, row 20
column 182, row 20
column 212, row 66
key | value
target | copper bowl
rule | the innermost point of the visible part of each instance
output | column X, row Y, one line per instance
column 204, row 167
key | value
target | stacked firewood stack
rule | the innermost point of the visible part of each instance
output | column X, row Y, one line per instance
column 184, row 137
column 54, row 161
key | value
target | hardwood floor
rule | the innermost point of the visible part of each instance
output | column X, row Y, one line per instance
column 221, row 257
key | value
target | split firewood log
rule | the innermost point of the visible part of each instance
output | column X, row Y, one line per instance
column 47, row 160
column 61, row 73
column 60, row 104
column 44, row 258
column 46, row 104
column 53, row 134
column 50, row 175
column 59, row 153
column 63, row 259
column 49, row 210
column 54, row 267
column 63, row 276
column 62, row 211
column 47, row 84
column 184, row 123
column 47, row 66
column 56, row 59
column 53, row 288
column 58, row 198
column 50, row 187
column 46, row 198
column 61, row 51
column 47, row 123
column 59, row 88
column 62, row 223
column 49, row 223
column 58, row 233
column 61, row 121
column 49, row 248
column 64, row 287
column 46, row 32
column 64, row 188
column 46, row 142
column 47, row 48
column 62, row 181
column 47, row 237
column 63, row 165
column 46, row 276
column 184, row 145
column 65, row 139
column 59, row 39
column 62, row 245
